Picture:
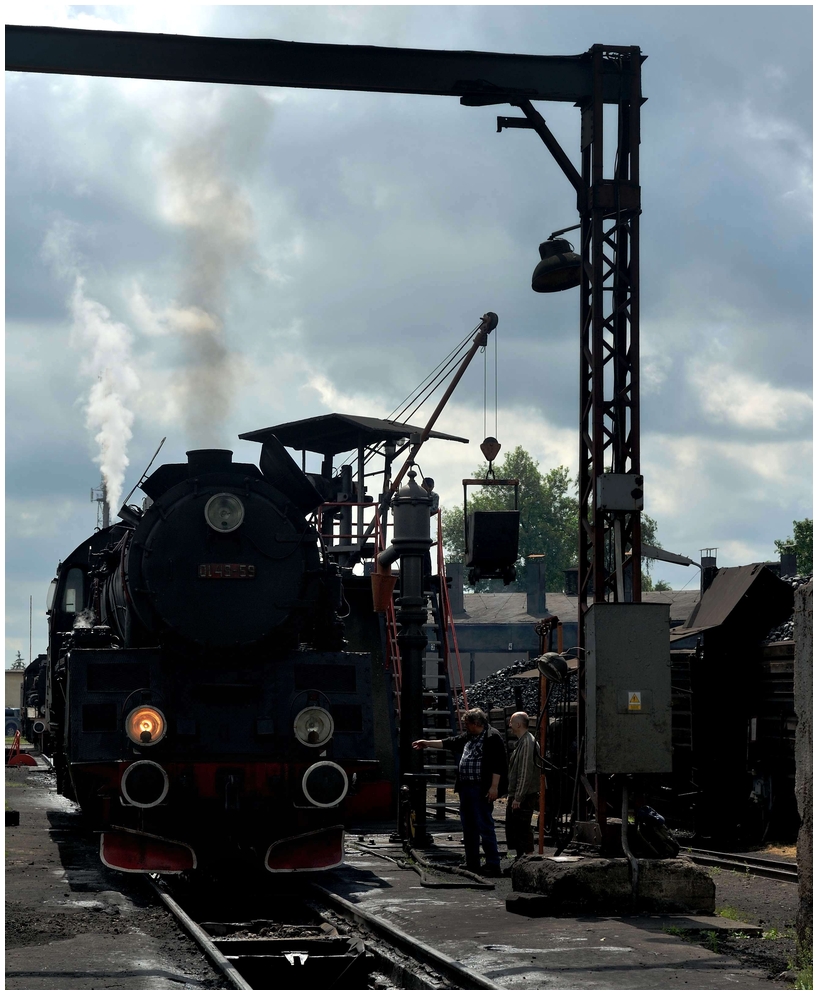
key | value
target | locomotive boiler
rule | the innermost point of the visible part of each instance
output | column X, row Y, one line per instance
column 201, row 706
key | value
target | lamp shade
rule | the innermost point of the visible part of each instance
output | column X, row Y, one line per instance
column 558, row 269
column 552, row 666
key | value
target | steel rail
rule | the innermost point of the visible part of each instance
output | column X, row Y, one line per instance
column 451, row 970
column 779, row 870
column 198, row 935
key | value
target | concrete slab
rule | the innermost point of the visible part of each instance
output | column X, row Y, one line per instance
column 575, row 885
column 519, row 952
column 132, row 962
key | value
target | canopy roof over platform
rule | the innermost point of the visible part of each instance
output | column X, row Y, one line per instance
column 336, row 433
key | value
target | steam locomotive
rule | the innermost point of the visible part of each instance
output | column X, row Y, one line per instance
column 200, row 703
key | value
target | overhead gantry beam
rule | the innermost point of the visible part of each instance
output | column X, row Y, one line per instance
column 478, row 77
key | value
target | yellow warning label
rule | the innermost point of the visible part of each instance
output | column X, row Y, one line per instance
column 634, row 701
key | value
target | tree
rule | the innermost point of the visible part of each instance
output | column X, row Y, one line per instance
column 549, row 518
column 19, row 663
column 548, row 515
column 800, row 544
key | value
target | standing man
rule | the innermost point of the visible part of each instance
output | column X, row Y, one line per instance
column 481, row 771
column 523, row 787
column 429, row 486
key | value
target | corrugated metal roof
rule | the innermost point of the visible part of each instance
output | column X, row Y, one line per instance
column 337, row 433
column 499, row 609
column 728, row 591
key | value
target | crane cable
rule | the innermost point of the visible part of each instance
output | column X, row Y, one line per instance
column 485, row 389
column 413, row 401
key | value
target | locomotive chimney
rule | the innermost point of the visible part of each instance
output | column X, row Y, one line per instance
column 208, row 460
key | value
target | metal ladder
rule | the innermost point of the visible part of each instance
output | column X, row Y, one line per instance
column 442, row 718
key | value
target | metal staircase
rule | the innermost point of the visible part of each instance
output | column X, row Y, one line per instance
column 442, row 717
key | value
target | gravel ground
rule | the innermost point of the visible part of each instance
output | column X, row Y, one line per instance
column 72, row 923
column 756, row 901
column 761, row 902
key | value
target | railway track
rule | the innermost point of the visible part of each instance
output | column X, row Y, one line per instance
column 780, row 870
column 342, row 948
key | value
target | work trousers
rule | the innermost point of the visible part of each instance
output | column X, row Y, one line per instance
column 478, row 826
column 519, row 834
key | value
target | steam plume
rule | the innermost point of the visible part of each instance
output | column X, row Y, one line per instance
column 105, row 349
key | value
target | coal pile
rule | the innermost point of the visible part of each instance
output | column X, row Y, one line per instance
column 785, row 630
column 498, row 690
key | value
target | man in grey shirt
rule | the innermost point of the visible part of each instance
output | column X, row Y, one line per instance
column 523, row 787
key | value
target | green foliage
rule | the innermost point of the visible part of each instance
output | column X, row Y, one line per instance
column 548, row 516
column 712, row 940
column 771, row 934
column 803, row 983
column 800, row 544
column 549, row 519
column 19, row 662
column 728, row 912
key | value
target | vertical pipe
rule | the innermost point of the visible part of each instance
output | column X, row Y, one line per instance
column 541, row 731
column 345, row 514
column 360, row 525
column 586, row 360
column 106, row 511
column 634, row 138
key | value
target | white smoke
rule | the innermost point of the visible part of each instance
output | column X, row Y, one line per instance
column 105, row 348
column 202, row 198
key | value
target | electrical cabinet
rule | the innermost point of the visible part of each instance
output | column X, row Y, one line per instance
column 627, row 682
column 620, row 492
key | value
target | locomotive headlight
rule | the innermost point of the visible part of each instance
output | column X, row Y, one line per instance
column 146, row 725
column 313, row 726
column 224, row 512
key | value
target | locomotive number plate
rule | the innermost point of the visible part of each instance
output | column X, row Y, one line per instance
column 227, row 571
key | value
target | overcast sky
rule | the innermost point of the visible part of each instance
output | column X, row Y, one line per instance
column 194, row 261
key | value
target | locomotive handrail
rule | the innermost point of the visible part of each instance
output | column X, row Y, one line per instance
column 449, row 628
column 372, row 530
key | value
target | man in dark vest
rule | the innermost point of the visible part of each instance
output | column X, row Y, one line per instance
column 482, row 773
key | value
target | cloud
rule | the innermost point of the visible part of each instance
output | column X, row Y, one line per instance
column 708, row 492
column 314, row 250
column 40, row 518
column 780, row 151
column 731, row 396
